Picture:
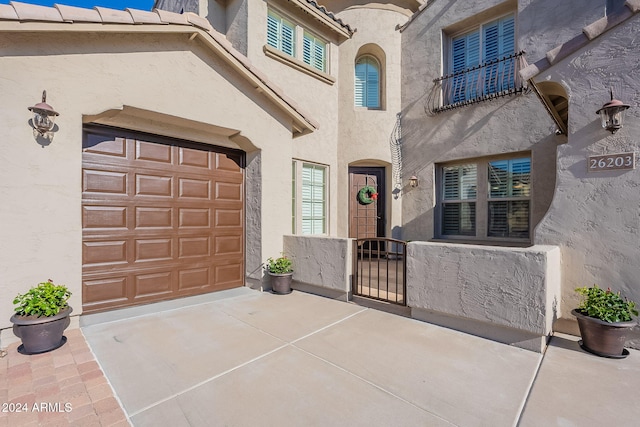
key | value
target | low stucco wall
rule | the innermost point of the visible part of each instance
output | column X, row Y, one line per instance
column 506, row 294
column 321, row 264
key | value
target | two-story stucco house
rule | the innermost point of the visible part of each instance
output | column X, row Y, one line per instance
column 197, row 140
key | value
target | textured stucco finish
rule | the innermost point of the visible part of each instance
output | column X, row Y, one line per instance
column 512, row 287
column 324, row 262
column 41, row 186
column 594, row 218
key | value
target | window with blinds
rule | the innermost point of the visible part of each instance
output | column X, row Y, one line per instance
column 508, row 202
column 281, row 33
column 459, row 192
column 367, row 82
column 314, row 200
column 485, row 45
column 314, row 52
column 499, row 209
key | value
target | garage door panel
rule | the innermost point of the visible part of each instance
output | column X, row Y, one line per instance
column 154, row 185
column 99, row 217
column 228, row 162
column 104, row 253
column 195, row 217
column 164, row 219
column 102, row 145
column 153, row 152
column 194, row 278
column 195, row 158
column 195, row 188
column 153, row 284
column 194, row 247
column 105, row 290
column 228, row 245
column 153, row 250
column 98, row 181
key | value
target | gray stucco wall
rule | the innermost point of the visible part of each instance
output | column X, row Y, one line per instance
column 503, row 289
column 593, row 217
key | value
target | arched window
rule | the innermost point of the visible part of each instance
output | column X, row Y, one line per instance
column 367, row 82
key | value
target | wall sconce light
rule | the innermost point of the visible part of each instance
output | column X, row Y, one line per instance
column 612, row 113
column 413, row 181
column 43, row 115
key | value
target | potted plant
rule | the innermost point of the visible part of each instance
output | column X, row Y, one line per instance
column 280, row 274
column 604, row 319
column 42, row 315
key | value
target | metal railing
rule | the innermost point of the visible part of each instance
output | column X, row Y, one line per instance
column 489, row 80
column 380, row 270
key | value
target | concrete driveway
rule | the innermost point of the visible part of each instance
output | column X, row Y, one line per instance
column 245, row 358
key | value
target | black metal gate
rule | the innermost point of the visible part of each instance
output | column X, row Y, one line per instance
column 379, row 269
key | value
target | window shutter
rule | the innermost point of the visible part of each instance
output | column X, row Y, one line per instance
column 520, row 177
column 313, row 199
column 367, row 83
column 313, row 52
column 373, row 84
column 273, row 26
column 507, row 36
column 360, row 84
column 320, row 52
column 288, row 38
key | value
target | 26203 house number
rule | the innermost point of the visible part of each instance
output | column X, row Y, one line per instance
column 621, row 161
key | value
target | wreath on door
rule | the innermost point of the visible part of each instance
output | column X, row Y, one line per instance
column 367, row 195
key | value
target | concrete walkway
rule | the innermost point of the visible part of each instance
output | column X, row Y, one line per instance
column 244, row 358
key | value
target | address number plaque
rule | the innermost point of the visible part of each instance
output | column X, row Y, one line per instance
column 607, row 162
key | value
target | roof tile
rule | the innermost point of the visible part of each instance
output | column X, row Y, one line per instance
column 198, row 21
column 171, row 17
column 112, row 16
column 8, row 12
column 31, row 12
column 78, row 14
column 144, row 17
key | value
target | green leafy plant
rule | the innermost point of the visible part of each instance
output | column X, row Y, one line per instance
column 279, row 265
column 605, row 305
column 46, row 299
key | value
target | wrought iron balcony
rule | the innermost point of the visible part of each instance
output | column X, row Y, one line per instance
column 492, row 79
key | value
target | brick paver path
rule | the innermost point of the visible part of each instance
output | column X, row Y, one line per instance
column 59, row 388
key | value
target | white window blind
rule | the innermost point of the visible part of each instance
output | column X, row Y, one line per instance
column 314, row 52
column 313, row 199
column 490, row 42
column 509, row 190
column 459, row 192
column 280, row 33
column 367, row 83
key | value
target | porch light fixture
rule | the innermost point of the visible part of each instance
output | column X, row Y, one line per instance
column 43, row 115
column 413, row 181
column 612, row 113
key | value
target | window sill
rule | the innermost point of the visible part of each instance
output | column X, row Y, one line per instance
column 298, row 65
column 513, row 243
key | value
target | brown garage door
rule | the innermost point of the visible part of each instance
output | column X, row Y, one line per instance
column 161, row 219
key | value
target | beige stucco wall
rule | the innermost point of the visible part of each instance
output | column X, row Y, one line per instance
column 87, row 74
column 364, row 134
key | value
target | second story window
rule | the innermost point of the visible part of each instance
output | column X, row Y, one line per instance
column 281, row 34
column 367, row 82
column 485, row 45
column 295, row 41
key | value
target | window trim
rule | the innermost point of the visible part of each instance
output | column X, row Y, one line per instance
column 297, row 166
column 482, row 202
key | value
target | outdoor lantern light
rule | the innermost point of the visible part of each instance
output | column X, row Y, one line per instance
column 43, row 115
column 413, row 181
column 612, row 113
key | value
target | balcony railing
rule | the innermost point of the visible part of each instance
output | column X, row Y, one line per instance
column 492, row 79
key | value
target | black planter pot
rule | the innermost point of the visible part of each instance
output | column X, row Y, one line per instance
column 603, row 338
column 281, row 283
column 41, row 334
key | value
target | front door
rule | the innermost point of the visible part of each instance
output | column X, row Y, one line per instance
column 366, row 202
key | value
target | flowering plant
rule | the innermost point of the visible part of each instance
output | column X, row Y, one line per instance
column 280, row 265
column 605, row 305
